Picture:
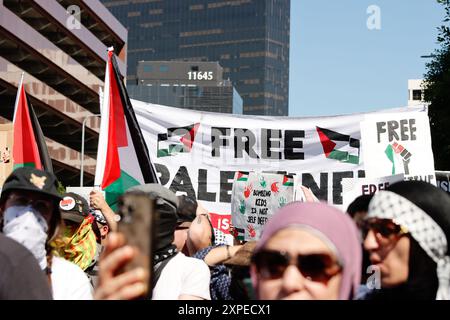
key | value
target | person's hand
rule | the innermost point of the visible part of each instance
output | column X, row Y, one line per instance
column 309, row 196
column 97, row 201
column 113, row 286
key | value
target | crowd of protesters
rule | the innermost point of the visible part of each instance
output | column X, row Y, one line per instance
column 387, row 246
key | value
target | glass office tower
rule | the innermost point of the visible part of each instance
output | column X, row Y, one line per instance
column 249, row 38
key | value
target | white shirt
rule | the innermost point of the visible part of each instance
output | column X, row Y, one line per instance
column 183, row 275
column 69, row 282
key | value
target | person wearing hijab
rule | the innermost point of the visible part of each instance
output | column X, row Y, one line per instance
column 406, row 234
column 308, row 251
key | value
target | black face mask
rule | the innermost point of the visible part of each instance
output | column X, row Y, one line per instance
column 165, row 225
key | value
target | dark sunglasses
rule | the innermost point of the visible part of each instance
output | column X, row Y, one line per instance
column 317, row 267
column 383, row 227
column 43, row 206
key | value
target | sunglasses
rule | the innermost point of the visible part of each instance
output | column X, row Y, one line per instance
column 317, row 267
column 43, row 206
column 386, row 228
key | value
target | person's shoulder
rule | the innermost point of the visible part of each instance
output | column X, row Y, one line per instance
column 61, row 264
column 12, row 252
column 190, row 263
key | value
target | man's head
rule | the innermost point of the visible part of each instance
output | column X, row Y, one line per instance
column 101, row 226
column 33, row 188
column 359, row 207
column 166, row 205
column 186, row 212
column 74, row 208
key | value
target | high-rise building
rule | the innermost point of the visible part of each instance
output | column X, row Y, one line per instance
column 190, row 85
column 61, row 47
column 249, row 38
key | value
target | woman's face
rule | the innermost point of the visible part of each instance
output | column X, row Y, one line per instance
column 389, row 254
column 290, row 282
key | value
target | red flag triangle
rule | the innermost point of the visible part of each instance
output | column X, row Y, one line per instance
column 25, row 149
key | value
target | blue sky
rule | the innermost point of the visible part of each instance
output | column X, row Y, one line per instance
column 339, row 66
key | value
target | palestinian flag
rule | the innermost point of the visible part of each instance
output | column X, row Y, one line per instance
column 123, row 160
column 339, row 146
column 177, row 140
column 288, row 181
column 239, row 234
column 29, row 147
column 242, row 176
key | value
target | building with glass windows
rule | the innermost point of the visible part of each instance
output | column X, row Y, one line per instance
column 182, row 84
column 249, row 38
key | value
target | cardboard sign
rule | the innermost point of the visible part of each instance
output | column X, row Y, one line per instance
column 6, row 145
column 83, row 191
column 398, row 143
column 256, row 197
column 353, row 188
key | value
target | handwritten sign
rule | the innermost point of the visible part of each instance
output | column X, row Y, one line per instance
column 256, row 197
column 398, row 144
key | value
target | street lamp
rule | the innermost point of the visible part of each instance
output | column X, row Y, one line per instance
column 429, row 56
column 82, row 146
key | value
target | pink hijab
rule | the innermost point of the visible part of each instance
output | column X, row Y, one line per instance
column 335, row 225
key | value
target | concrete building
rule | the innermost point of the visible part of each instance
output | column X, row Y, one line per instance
column 63, row 57
column 190, row 85
column 415, row 92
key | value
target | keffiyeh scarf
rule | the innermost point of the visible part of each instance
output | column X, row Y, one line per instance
column 429, row 235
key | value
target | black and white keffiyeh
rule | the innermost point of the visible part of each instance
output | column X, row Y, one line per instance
column 429, row 235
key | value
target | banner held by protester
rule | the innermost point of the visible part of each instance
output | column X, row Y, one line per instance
column 256, row 197
column 198, row 153
column 355, row 187
column 398, row 144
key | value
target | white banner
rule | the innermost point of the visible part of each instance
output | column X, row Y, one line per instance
column 198, row 153
column 353, row 188
column 398, row 143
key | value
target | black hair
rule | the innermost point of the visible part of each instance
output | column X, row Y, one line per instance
column 361, row 203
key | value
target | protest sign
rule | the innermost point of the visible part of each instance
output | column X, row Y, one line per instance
column 443, row 180
column 6, row 142
column 353, row 188
column 256, row 197
column 85, row 192
column 398, row 144
column 197, row 153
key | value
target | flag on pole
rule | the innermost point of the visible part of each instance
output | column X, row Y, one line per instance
column 29, row 147
column 123, row 159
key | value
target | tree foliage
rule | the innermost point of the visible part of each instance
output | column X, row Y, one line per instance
column 437, row 93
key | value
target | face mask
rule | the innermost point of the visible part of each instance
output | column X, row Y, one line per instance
column 27, row 226
column 77, row 245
